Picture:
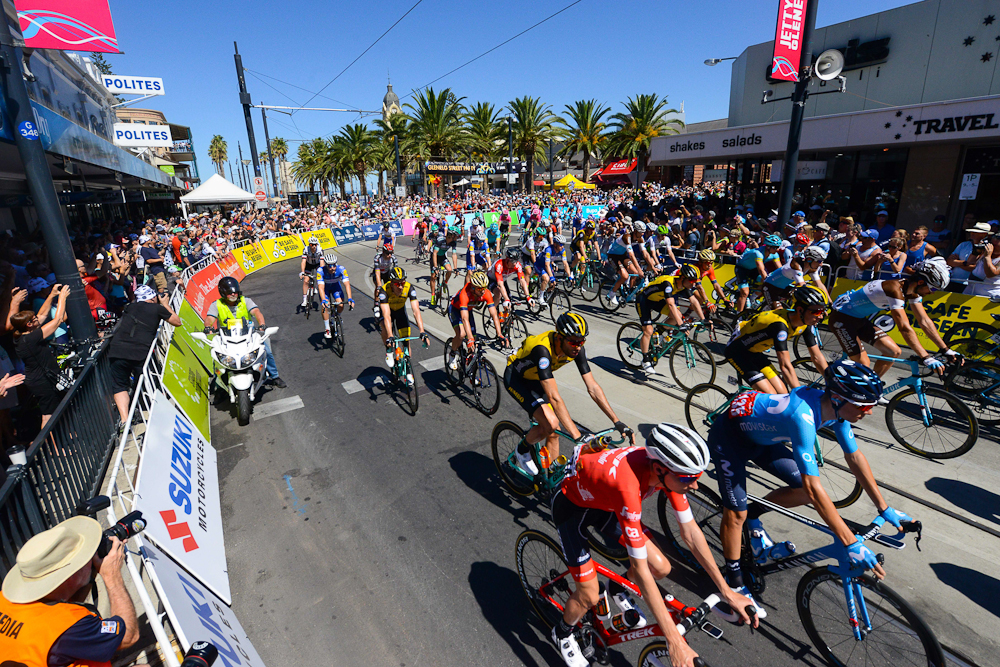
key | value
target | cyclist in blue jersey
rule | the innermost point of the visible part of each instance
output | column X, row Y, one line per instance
column 477, row 255
column 759, row 427
column 621, row 255
column 854, row 313
column 803, row 264
column 750, row 267
column 333, row 286
column 545, row 264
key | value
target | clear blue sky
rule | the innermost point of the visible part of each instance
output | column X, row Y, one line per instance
column 604, row 49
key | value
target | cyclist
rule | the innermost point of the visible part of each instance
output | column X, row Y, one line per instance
column 747, row 349
column 492, row 238
column 463, row 323
column 759, row 427
column 312, row 260
column 387, row 236
column 647, row 248
column 330, row 291
column 750, row 267
column 477, row 256
column 545, row 261
column 422, row 226
column 392, row 298
column 706, row 268
column 528, row 378
column 605, row 491
column 664, row 248
column 439, row 257
column 805, row 263
column 503, row 269
column 853, row 313
column 623, row 258
column 504, row 228
column 584, row 244
column 532, row 247
column 660, row 296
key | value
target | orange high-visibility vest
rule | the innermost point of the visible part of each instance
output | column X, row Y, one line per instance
column 28, row 631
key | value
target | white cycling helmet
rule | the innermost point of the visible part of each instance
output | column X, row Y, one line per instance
column 313, row 240
column 935, row 272
column 813, row 253
column 481, row 236
column 559, row 239
column 651, row 226
column 678, row 448
column 639, row 226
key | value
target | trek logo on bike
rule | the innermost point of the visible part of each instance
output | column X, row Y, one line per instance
column 742, row 405
column 647, row 631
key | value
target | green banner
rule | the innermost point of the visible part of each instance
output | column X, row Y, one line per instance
column 191, row 323
column 491, row 218
column 514, row 219
column 186, row 381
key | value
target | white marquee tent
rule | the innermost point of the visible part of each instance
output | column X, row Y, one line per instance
column 216, row 190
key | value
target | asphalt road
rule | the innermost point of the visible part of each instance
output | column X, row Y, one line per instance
column 358, row 534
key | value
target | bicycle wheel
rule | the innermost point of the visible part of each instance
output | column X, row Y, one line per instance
column 706, row 506
column 839, row 482
column 702, row 404
column 517, row 331
column 898, row 636
column 309, row 302
column 338, row 335
column 691, row 363
column 444, row 298
column 486, row 387
column 454, row 376
column 540, row 564
column 588, row 284
column 505, row 440
column 828, row 345
column 411, row 389
column 976, row 383
column 976, row 348
column 950, row 430
column 629, row 338
column 716, row 338
column 559, row 303
column 604, row 294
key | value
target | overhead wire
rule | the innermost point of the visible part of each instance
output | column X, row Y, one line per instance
column 288, row 83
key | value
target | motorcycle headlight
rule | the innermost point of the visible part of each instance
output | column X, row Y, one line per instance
column 248, row 358
column 228, row 361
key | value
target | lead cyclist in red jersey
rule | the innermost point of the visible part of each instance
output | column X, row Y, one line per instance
column 612, row 484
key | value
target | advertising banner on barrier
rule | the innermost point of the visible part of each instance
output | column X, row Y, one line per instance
column 491, row 218
column 397, row 227
column 945, row 308
column 282, row 248
column 323, row 235
column 198, row 615
column 515, row 218
column 346, row 234
column 409, row 225
column 371, row 232
column 251, row 258
column 228, row 266
column 178, row 492
column 591, row 209
column 191, row 322
column 186, row 380
column 202, row 289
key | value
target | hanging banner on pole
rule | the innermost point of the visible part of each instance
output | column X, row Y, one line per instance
column 68, row 25
column 788, row 40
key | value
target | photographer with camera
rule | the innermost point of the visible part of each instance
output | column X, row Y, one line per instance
column 984, row 263
column 968, row 253
column 46, row 623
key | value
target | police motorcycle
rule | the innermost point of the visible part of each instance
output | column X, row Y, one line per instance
column 240, row 358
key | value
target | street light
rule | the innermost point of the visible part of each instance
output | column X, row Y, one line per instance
column 712, row 62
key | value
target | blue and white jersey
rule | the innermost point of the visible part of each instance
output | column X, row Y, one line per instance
column 785, row 276
column 869, row 300
column 776, row 419
column 619, row 246
column 332, row 275
column 748, row 260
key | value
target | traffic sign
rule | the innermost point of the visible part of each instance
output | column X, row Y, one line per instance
column 400, row 191
column 258, row 189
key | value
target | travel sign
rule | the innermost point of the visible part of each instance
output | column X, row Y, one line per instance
column 133, row 85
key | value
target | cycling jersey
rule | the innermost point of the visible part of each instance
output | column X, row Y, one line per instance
column 503, row 269
column 786, row 275
column 537, row 360
column 869, row 300
column 313, row 259
column 584, row 236
column 547, row 254
column 383, row 264
column 619, row 246
column 661, row 288
column 466, row 297
column 396, row 302
column 333, row 274
column 765, row 330
column 748, row 260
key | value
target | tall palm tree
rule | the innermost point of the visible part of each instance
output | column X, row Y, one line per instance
column 396, row 126
column 631, row 132
column 279, row 149
column 305, row 169
column 358, row 145
column 218, row 153
column 533, row 127
column 436, row 130
column 484, row 134
column 583, row 131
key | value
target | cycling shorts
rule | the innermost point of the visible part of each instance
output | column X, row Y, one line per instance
column 620, row 261
column 400, row 322
column 572, row 524
column 751, row 366
column 773, row 293
column 472, row 264
column 333, row 291
column 528, row 393
column 746, row 277
column 646, row 308
column 455, row 317
column 849, row 330
column 731, row 452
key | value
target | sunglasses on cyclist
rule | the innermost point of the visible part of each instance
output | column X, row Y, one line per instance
column 576, row 342
column 821, row 310
column 398, row 283
column 686, row 479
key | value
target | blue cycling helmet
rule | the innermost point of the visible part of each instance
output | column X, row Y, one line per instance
column 772, row 240
column 853, row 382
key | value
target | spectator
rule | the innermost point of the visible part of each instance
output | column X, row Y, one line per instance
column 42, row 593
column 893, row 259
column 31, row 334
column 985, row 268
column 132, row 339
column 820, row 237
column 882, row 226
column 153, row 262
column 957, row 260
column 863, row 256
column 918, row 249
column 939, row 236
column 96, row 300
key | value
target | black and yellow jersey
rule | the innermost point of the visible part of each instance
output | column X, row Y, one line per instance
column 386, row 295
column 662, row 288
column 765, row 330
column 536, row 359
column 584, row 236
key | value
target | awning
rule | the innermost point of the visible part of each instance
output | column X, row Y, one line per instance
column 217, row 190
column 571, row 182
column 619, row 168
column 538, row 183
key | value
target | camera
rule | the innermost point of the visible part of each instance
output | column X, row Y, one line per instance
column 978, row 248
column 129, row 525
column 201, row 654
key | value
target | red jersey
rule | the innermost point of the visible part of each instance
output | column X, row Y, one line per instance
column 617, row 480
column 709, row 272
column 466, row 298
column 501, row 272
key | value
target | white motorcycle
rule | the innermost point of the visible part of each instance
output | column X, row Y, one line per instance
column 240, row 358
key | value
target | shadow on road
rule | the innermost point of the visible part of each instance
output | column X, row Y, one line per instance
column 980, row 588
column 981, row 502
column 480, row 474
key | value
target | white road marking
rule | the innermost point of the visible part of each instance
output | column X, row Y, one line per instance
column 364, row 382
column 433, row 364
column 277, row 407
column 353, row 386
column 226, row 449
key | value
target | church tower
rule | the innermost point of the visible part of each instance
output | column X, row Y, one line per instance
column 390, row 104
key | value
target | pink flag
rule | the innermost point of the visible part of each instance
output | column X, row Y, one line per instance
column 67, row 25
column 788, row 39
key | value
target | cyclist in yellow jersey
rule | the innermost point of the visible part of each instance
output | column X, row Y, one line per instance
column 772, row 329
column 583, row 245
column 392, row 297
column 528, row 379
column 660, row 296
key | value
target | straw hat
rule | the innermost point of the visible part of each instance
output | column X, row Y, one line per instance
column 48, row 559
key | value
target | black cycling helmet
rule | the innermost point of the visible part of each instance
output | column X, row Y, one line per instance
column 397, row 274
column 513, row 253
column 809, row 295
column 571, row 324
column 853, row 382
column 688, row 272
column 229, row 285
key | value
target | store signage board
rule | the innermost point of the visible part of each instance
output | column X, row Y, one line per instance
column 133, row 85
column 788, row 39
column 970, row 187
column 134, row 134
column 805, row 171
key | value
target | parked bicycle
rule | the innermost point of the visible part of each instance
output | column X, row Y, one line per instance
column 691, row 363
column 475, row 367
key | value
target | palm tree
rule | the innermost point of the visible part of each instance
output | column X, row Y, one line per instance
column 218, row 153
column 632, row 132
column 306, row 169
column 435, row 124
column 358, row 148
column 533, row 123
column 583, row 131
column 279, row 149
column 387, row 132
column 484, row 134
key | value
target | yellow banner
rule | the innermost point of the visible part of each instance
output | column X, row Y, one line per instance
column 325, row 236
column 282, row 248
column 251, row 258
column 945, row 308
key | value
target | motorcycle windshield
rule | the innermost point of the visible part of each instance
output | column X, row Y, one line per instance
column 236, row 328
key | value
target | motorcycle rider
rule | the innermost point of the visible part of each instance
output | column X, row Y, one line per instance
column 232, row 305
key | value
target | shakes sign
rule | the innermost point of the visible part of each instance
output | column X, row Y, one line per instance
column 788, row 39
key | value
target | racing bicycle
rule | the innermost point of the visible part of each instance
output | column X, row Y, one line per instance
column 336, row 328
column 402, row 370
column 691, row 363
column 474, row 366
column 512, row 327
column 441, row 296
column 311, row 292
column 978, row 384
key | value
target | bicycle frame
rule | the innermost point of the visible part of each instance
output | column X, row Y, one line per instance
column 397, row 369
column 557, row 469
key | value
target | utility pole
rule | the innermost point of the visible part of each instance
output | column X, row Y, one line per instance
column 21, row 119
column 551, row 182
column 791, row 162
column 510, row 153
column 245, row 101
column 399, row 168
column 239, row 165
column 270, row 155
